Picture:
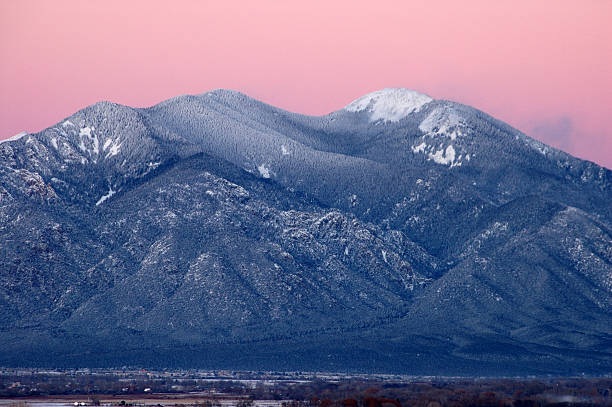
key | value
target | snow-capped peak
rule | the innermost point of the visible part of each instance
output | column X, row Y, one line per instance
column 391, row 104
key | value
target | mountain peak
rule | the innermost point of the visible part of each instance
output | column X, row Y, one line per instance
column 223, row 91
column 390, row 104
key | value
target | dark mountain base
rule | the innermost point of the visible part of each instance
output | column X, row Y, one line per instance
column 414, row 355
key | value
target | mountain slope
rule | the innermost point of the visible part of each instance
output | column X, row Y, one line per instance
column 400, row 233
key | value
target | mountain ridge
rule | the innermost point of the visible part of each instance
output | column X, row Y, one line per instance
column 439, row 241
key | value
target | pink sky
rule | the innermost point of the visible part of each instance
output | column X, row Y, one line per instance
column 543, row 66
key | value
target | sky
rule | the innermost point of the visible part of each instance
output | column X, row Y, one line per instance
column 544, row 67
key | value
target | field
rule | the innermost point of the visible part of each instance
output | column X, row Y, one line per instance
column 140, row 388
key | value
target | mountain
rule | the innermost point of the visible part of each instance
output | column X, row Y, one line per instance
column 398, row 234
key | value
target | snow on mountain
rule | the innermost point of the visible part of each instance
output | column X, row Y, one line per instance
column 109, row 194
column 215, row 221
column 15, row 137
column 389, row 105
column 443, row 121
column 263, row 171
column 439, row 154
column 442, row 129
column 444, row 157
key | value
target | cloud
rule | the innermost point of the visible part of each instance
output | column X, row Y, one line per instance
column 556, row 132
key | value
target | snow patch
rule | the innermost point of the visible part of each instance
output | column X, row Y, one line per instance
column 264, row 171
column 67, row 123
column 15, row 137
column 443, row 121
column 85, row 131
column 54, row 142
column 284, row 150
column 419, row 149
column 389, row 104
column 444, row 157
column 105, row 197
column 441, row 124
column 96, row 145
column 114, row 149
column 93, row 138
column 82, row 145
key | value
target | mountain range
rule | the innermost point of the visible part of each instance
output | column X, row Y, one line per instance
column 398, row 234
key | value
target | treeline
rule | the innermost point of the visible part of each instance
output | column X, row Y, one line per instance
column 494, row 393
